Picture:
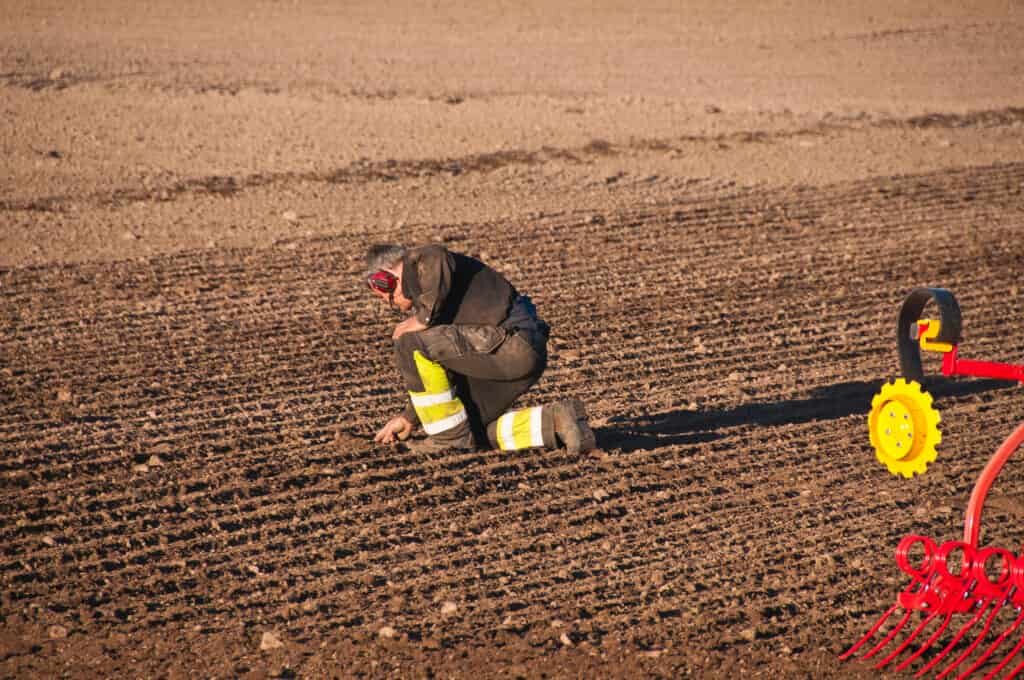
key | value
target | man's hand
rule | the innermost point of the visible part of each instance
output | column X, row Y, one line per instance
column 398, row 427
column 410, row 325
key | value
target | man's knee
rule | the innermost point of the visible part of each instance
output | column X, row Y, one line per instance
column 407, row 343
column 406, row 347
column 438, row 343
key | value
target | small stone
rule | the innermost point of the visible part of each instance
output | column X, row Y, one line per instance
column 142, row 467
column 63, row 394
column 290, row 215
column 309, row 606
column 387, row 632
column 129, row 236
column 600, row 494
column 254, row 569
column 449, row 608
column 270, row 641
column 49, row 541
column 154, row 461
column 57, row 632
column 57, row 73
column 749, row 634
column 565, row 639
column 735, row 376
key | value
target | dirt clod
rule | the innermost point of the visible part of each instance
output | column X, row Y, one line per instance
column 270, row 641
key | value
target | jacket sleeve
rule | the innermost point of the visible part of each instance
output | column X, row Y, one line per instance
column 434, row 266
column 410, row 413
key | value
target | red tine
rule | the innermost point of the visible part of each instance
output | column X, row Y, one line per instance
column 992, row 648
column 892, row 634
column 868, row 635
column 1006, row 659
column 946, row 650
column 970, row 649
column 927, row 643
column 910, row 638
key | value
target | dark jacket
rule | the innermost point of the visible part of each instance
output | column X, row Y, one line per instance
column 450, row 288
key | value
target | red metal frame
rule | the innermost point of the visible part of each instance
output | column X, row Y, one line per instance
column 952, row 365
column 972, row 523
column 938, row 589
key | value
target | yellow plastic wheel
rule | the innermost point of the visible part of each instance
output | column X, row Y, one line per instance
column 904, row 428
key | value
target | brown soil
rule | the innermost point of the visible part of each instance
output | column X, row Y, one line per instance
column 719, row 215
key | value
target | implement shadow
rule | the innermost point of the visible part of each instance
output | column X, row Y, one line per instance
column 831, row 402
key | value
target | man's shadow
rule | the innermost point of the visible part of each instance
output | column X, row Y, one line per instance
column 825, row 403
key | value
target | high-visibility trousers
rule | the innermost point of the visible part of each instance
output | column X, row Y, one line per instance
column 438, row 406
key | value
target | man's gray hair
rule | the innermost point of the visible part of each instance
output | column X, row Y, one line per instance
column 383, row 256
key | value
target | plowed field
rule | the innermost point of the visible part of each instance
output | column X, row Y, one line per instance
column 188, row 460
column 718, row 212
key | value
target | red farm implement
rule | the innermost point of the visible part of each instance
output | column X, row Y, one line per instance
column 963, row 610
column 957, row 579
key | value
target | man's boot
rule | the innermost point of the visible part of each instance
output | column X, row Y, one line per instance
column 434, row 445
column 562, row 423
column 569, row 421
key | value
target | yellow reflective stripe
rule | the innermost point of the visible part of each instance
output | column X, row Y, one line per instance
column 438, row 412
column 433, row 375
column 437, row 406
column 520, row 429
